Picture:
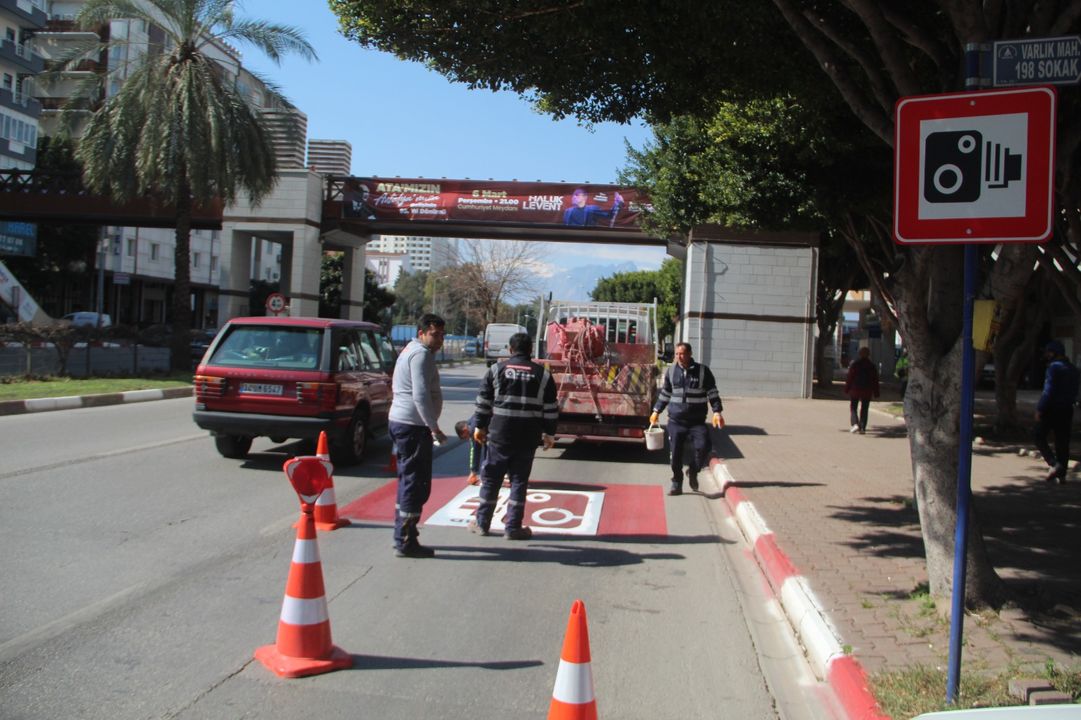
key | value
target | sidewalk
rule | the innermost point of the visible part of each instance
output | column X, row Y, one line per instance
column 837, row 511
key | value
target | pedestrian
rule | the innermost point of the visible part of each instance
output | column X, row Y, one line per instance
column 901, row 371
column 464, row 429
column 861, row 384
column 414, row 427
column 688, row 387
column 1054, row 410
column 516, row 410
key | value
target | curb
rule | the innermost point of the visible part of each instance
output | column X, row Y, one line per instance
column 819, row 638
column 18, row 407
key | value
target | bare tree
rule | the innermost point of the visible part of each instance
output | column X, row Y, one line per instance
column 485, row 274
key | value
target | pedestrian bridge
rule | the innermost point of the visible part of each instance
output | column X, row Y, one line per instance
column 749, row 297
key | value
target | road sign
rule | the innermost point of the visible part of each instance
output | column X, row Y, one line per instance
column 974, row 167
column 275, row 303
column 1038, row 61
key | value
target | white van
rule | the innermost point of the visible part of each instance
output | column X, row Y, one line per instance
column 496, row 337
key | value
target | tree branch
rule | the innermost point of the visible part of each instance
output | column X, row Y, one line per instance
column 888, row 45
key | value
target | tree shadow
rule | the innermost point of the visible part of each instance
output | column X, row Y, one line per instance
column 1032, row 533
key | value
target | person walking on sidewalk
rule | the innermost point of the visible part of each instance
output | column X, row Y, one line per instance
column 688, row 388
column 516, row 410
column 414, row 426
column 1054, row 410
column 861, row 384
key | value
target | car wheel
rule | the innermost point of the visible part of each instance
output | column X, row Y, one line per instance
column 278, row 440
column 349, row 447
column 234, row 447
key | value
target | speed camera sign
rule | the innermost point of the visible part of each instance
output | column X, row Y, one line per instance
column 974, row 167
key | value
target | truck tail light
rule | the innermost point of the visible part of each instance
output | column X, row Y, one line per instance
column 208, row 386
column 323, row 395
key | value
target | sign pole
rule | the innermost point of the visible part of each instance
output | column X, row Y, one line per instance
column 964, row 461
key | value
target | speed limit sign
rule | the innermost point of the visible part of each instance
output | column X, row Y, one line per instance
column 275, row 303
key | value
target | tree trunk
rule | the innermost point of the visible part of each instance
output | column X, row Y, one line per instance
column 181, row 338
column 932, row 414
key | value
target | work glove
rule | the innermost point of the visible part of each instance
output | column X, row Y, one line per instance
column 718, row 420
column 548, row 441
column 653, row 418
column 481, row 435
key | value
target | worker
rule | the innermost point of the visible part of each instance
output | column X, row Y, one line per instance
column 688, row 387
column 516, row 410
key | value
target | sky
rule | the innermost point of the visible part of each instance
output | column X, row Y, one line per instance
column 406, row 121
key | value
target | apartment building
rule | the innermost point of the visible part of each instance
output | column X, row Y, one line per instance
column 425, row 253
column 330, row 157
column 19, row 63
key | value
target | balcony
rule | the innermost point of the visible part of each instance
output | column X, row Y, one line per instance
column 20, row 102
column 31, row 13
column 22, row 56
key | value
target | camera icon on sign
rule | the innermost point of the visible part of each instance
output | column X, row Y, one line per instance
column 959, row 164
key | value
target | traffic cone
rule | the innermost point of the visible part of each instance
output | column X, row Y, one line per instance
column 392, row 464
column 304, row 646
column 572, row 698
column 326, row 506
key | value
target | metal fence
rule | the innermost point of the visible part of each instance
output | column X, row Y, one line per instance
column 84, row 360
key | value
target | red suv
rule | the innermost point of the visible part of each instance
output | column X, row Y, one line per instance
column 292, row 377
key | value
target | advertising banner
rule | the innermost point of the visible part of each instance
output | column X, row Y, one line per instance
column 478, row 201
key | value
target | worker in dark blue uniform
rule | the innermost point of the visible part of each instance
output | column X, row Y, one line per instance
column 688, row 388
column 516, row 410
column 465, row 429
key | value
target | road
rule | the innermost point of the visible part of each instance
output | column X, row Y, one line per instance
column 141, row 571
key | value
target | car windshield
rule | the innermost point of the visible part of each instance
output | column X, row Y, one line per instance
column 278, row 347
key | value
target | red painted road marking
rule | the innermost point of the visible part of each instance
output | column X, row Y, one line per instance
column 628, row 509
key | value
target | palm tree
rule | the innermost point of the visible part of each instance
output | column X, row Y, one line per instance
column 178, row 130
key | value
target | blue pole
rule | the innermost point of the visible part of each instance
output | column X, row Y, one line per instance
column 964, row 461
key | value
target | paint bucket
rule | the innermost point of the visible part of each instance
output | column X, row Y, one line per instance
column 654, row 438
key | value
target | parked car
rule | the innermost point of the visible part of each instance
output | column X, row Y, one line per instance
column 294, row 377
column 88, row 319
column 200, row 341
column 471, row 348
column 496, row 336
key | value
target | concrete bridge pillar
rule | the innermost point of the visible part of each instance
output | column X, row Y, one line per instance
column 749, row 309
column 234, row 260
column 353, row 268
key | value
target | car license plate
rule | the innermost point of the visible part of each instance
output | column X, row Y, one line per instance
column 260, row 389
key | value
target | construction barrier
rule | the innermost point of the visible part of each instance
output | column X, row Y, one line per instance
column 572, row 697
column 304, row 646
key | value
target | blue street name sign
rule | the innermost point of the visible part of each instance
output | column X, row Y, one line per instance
column 1038, row 61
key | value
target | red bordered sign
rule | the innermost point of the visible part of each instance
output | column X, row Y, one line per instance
column 975, row 167
column 275, row 303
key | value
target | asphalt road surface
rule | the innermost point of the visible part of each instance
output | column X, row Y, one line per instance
column 141, row 571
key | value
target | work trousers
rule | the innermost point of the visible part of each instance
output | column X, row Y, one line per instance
column 515, row 461
column 1057, row 421
column 413, row 447
column 677, row 437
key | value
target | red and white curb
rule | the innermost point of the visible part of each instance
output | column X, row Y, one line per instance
column 819, row 638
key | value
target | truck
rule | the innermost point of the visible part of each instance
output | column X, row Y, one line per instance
column 603, row 359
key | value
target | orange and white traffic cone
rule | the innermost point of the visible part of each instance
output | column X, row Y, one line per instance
column 304, row 646
column 392, row 464
column 326, row 507
column 572, row 698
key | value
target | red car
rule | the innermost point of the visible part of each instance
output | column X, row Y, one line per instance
column 292, row 377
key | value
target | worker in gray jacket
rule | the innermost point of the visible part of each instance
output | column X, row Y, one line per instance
column 414, row 425
column 688, row 388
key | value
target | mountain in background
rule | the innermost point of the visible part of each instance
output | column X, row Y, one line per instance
column 576, row 283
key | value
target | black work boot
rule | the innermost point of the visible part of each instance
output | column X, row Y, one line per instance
column 692, row 479
column 676, row 488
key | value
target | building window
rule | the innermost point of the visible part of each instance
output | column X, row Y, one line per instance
column 213, row 263
column 9, row 81
column 195, row 260
column 131, row 247
column 155, row 249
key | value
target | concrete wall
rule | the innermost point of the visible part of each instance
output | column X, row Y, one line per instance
column 84, row 361
column 749, row 308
